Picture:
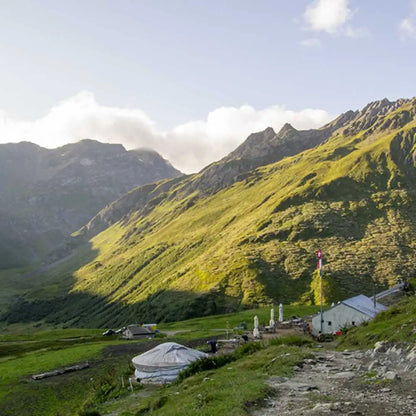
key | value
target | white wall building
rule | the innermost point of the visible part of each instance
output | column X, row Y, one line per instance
column 350, row 312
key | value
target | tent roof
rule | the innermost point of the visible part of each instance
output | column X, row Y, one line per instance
column 169, row 354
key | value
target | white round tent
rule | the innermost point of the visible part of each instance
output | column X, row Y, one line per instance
column 163, row 363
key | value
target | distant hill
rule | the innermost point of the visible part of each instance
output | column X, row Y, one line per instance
column 48, row 194
column 243, row 231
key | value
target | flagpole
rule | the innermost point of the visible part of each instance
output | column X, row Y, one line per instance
column 319, row 255
column 322, row 316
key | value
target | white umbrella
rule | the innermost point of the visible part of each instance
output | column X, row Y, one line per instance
column 256, row 332
column 280, row 313
column 272, row 323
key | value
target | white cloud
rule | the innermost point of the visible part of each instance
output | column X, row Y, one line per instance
column 407, row 27
column 310, row 43
column 356, row 32
column 327, row 15
column 189, row 146
column 332, row 16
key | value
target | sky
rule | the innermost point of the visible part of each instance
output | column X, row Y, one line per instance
column 193, row 78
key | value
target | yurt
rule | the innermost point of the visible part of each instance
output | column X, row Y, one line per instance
column 163, row 363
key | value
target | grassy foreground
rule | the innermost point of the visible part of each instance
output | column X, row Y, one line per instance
column 99, row 387
column 229, row 387
column 231, row 390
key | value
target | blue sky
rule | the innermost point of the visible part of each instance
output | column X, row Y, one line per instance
column 193, row 78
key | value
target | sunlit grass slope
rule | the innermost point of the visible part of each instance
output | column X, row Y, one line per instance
column 253, row 243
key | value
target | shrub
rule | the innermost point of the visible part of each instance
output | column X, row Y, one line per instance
column 213, row 362
column 89, row 413
column 296, row 340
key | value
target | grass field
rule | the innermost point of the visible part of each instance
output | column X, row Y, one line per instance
column 24, row 354
column 232, row 389
column 229, row 321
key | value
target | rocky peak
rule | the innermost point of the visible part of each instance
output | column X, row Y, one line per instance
column 286, row 130
column 373, row 116
column 89, row 148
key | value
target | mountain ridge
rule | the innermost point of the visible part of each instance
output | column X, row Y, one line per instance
column 49, row 193
column 235, row 165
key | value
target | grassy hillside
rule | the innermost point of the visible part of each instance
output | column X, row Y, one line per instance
column 253, row 243
column 395, row 325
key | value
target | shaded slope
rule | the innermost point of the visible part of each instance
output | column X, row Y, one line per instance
column 48, row 194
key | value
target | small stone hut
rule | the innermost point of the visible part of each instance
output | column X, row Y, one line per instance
column 137, row 331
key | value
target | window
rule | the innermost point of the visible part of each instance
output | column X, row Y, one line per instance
column 353, row 323
column 329, row 323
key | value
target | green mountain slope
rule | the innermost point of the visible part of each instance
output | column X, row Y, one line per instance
column 175, row 251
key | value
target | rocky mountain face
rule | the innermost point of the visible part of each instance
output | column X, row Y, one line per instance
column 48, row 194
column 243, row 231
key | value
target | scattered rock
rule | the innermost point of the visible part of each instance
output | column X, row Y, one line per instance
column 322, row 407
column 381, row 346
column 330, row 384
column 373, row 365
column 278, row 380
column 391, row 375
column 344, row 374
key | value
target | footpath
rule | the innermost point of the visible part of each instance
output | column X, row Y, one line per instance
column 376, row 382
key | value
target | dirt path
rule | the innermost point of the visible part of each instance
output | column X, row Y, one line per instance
column 370, row 383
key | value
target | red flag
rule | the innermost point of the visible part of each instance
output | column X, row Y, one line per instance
column 319, row 255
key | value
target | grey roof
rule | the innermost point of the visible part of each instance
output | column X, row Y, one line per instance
column 364, row 305
column 139, row 330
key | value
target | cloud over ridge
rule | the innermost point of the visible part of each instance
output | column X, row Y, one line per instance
column 189, row 146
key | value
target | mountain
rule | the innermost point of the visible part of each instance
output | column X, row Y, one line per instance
column 48, row 194
column 244, row 230
column 258, row 149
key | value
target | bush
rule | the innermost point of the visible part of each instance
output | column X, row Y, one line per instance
column 248, row 348
column 296, row 340
column 213, row 362
column 89, row 413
